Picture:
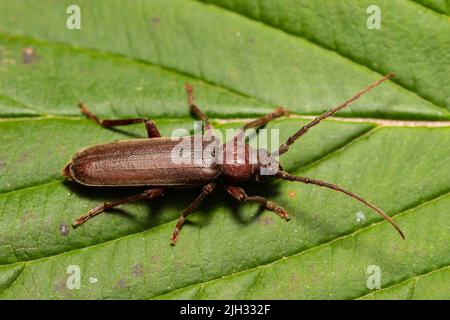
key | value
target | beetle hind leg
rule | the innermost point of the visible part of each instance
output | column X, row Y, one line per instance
column 152, row 129
column 148, row 194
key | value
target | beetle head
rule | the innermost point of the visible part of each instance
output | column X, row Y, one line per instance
column 267, row 166
column 243, row 163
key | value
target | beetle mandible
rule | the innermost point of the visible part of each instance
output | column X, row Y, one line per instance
column 148, row 162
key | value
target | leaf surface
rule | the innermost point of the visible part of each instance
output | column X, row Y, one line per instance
column 131, row 59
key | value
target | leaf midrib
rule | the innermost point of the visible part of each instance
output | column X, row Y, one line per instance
column 376, row 122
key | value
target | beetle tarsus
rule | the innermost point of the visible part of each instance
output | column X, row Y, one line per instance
column 174, row 237
column 91, row 213
column 278, row 210
column 150, row 126
column 148, row 194
column 205, row 191
column 239, row 194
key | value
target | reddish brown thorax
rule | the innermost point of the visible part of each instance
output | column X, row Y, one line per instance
column 237, row 165
column 243, row 163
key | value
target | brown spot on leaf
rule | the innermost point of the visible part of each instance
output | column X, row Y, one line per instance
column 26, row 216
column 292, row 194
column 60, row 287
column 138, row 270
column 122, row 284
column 155, row 20
column 268, row 220
column 155, row 259
column 22, row 158
column 29, row 55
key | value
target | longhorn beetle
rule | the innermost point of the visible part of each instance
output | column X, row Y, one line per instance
column 149, row 162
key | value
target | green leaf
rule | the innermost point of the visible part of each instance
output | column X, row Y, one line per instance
column 132, row 59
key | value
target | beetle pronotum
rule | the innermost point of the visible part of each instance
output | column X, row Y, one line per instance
column 148, row 162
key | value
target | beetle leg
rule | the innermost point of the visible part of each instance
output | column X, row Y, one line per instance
column 152, row 130
column 278, row 112
column 195, row 110
column 148, row 194
column 206, row 190
column 239, row 194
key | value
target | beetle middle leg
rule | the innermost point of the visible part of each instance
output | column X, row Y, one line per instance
column 205, row 191
column 147, row 194
column 152, row 130
column 239, row 194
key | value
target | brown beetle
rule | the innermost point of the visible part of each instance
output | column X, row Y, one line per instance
column 150, row 162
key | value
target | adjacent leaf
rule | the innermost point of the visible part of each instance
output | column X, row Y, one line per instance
column 229, row 50
column 422, row 61
column 132, row 59
column 438, row 5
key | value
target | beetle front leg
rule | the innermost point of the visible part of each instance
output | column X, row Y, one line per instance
column 277, row 113
column 148, row 194
column 239, row 194
column 152, row 130
column 206, row 190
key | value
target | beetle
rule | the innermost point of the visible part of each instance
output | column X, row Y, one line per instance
column 150, row 163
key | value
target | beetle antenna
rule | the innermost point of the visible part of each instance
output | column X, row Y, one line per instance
column 285, row 147
column 286, row 176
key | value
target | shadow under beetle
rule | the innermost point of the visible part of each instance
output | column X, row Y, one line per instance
column 149, row 162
